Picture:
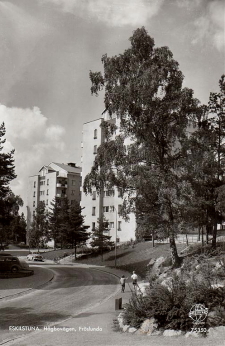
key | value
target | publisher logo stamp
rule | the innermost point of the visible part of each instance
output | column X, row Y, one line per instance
column 198, row 313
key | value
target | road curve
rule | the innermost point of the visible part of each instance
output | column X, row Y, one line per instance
column 73, row 290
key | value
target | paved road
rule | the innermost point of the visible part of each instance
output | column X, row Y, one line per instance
column 73, row 291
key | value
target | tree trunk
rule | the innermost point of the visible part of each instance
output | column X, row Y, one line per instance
column 75, row 250
column 207, row 234
column 186, row 239
column 102, row 252
column 153, row 238
column 176, row 260
column 199, row 233
column 202, row 237
column 214, row 235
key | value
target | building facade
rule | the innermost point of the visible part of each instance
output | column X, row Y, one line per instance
column 109, row 202
column 53, row 180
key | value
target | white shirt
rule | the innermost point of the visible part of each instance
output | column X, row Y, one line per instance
column 134, row 276
column 122, row 280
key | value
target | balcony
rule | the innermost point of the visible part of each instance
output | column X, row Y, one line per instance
column 61, row 175
column 61, row 185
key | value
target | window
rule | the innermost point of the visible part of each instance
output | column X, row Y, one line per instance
column 47, row 192
column 47, row 181
column 112, row 208
column 34, row 194
column 119, row 208
column 93, row 226
column 95, row 149
column 93, row 211
column 33, row 203
column 106, row 225
column 46, row 201
column 95, row 133
column 119, row 225
column 73, row 192
column 111, row 225
column 33, row 213
column 34, row 183
column 120, row 193
column 106, row 209
column 94, row 195
column 73, row 182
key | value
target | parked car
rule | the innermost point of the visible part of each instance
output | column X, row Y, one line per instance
column 12, row 264
column 4, row 246
column 35, row 257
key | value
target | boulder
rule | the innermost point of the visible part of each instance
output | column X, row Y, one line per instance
column 194, row 334
column 157, row 264
column 143, row 286
column 156, row 332
column 148, row 326
column 120, row 320
column 172, row 332
column 132, row 330
column 151, row 262
column 167, row 282
column 125, row 328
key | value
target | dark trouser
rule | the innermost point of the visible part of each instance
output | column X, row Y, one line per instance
column 122, row 287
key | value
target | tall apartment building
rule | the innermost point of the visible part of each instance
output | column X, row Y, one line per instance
column 53, row 180
column 109, row 202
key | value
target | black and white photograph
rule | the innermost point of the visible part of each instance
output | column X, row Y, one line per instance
column 112, row 172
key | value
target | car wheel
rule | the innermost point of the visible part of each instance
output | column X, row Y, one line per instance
column 14, row 269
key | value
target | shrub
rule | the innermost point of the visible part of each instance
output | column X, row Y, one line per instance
column 170, row 301
column 137, row 310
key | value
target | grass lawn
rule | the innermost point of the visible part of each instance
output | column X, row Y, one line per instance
column 131, row 259
column 57, row 253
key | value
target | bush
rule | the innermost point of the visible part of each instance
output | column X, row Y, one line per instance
column 138, row 310
column 171, row 300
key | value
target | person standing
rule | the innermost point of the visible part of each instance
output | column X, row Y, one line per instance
column 134, row 277
column 122, row 281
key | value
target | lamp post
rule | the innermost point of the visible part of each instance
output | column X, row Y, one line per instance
column 116, row 239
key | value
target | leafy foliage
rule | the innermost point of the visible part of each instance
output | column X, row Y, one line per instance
column 38, row 234
column 170, row 304
column 7, row 168
column 99, row 238
column 7, row 173
column 143, row 89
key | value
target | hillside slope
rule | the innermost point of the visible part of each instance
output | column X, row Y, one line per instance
column 130, row 258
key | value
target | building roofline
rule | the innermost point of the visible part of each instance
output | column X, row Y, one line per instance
column 91, row 121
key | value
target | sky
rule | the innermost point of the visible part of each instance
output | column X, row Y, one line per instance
column 48, row 47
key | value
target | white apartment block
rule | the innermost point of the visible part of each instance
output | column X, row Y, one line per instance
column 108, row 202
column 53, row 180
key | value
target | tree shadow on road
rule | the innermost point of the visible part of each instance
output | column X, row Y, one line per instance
column 11, row 316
